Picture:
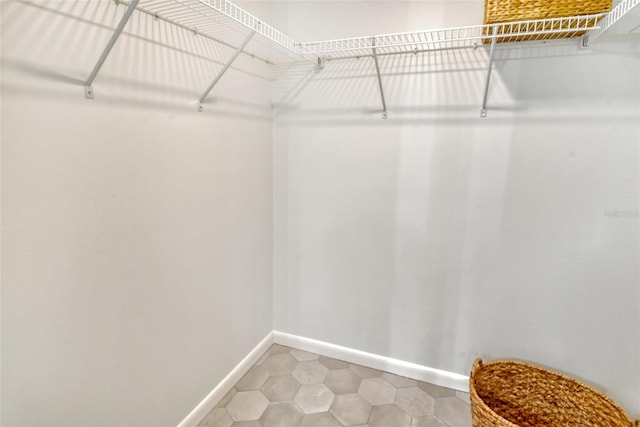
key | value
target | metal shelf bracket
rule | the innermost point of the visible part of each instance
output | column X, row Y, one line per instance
column 224, row 69
column 483, row 112
column 375, row 59
column 88, row 90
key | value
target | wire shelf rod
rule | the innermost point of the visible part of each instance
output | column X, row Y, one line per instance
column 88, row 91
column 224, row 69
column 380, row 86
column 483, row 111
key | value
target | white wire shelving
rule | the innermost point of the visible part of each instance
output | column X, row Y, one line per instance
column 227, row 23
column 224, row 23
column 218, row 19
column 616, row 14
column 452, row 38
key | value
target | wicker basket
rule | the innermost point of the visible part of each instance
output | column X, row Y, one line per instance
column 506, row 393
column 498, row 11
column 524, row 10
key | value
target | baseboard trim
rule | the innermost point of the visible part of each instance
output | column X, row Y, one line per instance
column 209, row 402
column 383, row 363
column 370, row 360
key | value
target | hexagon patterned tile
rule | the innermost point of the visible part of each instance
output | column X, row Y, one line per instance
column 377, row 391
column 253, row 380
column 364, row 372
column 247, row 405
column 280, row 388
column 323, row 419
column 389, row 415
column 294, row 388
column 311, row 372
column 342, row 381
column 217, row 418
column 247, row 424
column 415, row 402
column 279, row 364
column 350, row 409
column 282, row 414
column 314, row 398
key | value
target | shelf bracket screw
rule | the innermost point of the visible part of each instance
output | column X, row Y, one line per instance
column 88, row 92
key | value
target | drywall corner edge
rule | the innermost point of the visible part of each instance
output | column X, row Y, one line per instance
column 209, row 402
column 370, row 360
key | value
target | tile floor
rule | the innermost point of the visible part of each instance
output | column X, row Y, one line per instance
column 292, row 388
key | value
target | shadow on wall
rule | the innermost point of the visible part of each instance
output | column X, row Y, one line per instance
column 154, row 65
column 435, row 241
column 449, row 84
column 158, row 65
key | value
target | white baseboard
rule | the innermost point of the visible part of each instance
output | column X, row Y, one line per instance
column 370, row 360
column 209, row 402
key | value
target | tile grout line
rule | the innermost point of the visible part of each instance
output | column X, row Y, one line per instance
column 315, row 373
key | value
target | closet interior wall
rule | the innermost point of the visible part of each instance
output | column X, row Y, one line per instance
column 148, row 247
column 435, row 236
column 136, row 231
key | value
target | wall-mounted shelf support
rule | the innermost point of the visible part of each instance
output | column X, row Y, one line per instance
column 375, row 60
column 225, row 68
column 151, row 10
column 88, row 90
column 611, row 18
column 203, row 17
column 483, row 112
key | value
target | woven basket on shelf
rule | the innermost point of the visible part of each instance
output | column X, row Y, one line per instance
column 525, row 10
column 499, row 11
column 506, row 393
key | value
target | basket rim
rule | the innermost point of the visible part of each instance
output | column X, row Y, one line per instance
column 479, row 364
column 596, row 15
column 475, row 397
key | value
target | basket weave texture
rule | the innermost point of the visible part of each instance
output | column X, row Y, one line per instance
column 523, row 10
column 500, row 11
column 507, row 393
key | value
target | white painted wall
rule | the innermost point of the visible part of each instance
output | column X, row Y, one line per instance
column 136, row 232
column 435, row 236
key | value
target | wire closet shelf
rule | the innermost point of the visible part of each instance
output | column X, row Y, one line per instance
column 224, row 22
column 227, row 23
column 452, row 38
